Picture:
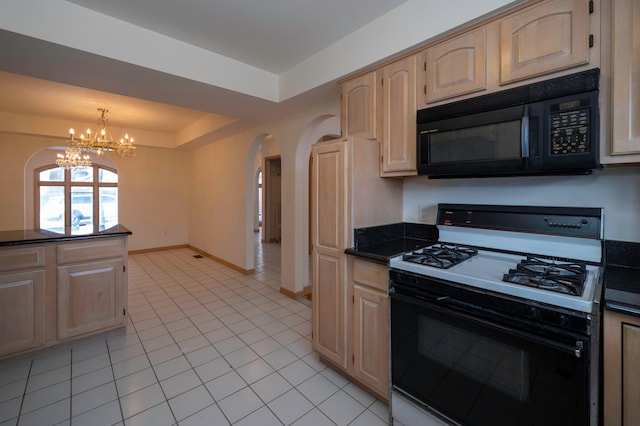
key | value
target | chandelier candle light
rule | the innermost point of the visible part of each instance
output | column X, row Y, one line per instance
column 98, row 143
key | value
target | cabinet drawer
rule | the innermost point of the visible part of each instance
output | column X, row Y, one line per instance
column 370, row 274
column 78, row 252
column 21, row 258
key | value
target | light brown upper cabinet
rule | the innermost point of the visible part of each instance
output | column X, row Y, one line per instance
column 625, row 78
column 550, row 36
column 398, row 109
column 456, row 67
column 358, row 106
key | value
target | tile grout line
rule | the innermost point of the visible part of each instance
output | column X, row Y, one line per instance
column 174, row 281
column 71, row 350
column 151, row 365
column 24, row 392
column 113, row 375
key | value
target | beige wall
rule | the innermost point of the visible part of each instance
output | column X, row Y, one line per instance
column 153, row 200
column 203, row 197
column 616, row 189
column 217, row 199
column 15, row 150
column 222, row 185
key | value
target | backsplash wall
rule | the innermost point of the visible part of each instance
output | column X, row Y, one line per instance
column 617, row 189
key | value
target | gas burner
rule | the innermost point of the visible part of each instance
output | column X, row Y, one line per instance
column 561, row 277
column 441, row 255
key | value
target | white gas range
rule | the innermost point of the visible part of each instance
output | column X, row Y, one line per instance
column 499, row 318
column 498, row 252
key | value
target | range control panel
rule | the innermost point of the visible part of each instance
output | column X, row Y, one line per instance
column 565, row 221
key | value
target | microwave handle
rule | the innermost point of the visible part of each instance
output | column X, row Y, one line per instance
column 524, row 133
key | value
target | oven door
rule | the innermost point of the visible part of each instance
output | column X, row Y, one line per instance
column 477, row 372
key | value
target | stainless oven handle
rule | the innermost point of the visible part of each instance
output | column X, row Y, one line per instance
column 429, row 303
column 524, row 133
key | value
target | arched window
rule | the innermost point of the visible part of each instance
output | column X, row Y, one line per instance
column 84, row 201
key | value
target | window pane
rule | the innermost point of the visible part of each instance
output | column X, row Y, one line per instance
column 108, row 207
column 82, row 175
column 81, row 210
column 52, row 175
column 107, row 176
column 52, row 208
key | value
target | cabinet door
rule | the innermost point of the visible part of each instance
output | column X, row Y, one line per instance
column 548, row 37
column 371, row 338
column 456, row 67
column 21, row 311
column 398, row 139
column 359, row 97
column 625, row 80
column 630, row 374
column 329, row 299
column 621, row 396
column 90, row 297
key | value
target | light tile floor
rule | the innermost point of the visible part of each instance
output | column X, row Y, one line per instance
column 204, row 345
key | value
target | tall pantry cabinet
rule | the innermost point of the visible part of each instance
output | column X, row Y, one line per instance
column 347, row 192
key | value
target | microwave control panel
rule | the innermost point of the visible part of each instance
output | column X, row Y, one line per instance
column 570, row 132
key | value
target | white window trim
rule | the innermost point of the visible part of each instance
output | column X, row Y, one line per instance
column 42, row 158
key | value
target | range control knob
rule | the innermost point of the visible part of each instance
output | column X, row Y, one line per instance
column 534, row 312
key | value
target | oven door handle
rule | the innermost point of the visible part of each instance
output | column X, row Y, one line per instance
column 432, row 298
column 431, row 303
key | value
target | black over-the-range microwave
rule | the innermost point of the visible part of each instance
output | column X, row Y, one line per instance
column 545, row 128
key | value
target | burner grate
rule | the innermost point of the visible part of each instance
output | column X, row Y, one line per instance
column 441, row 255
column 566, row 278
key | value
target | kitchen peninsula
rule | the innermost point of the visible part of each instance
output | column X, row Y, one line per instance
column 55, row 287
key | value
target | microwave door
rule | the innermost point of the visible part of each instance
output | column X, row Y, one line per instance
column 484, row 144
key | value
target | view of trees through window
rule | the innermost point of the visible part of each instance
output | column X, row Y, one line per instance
column 83, row 201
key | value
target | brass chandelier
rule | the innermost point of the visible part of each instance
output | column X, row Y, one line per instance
column 76, row 154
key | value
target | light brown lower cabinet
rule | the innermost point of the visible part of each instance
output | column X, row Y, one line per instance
column 21, row 311
column 621, row 369
column 370, row 319
column 345, row 181
column 90, row 297
column 57, row 291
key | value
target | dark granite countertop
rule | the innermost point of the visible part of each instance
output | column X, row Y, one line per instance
column 622, row 277
column 380, row 243
column 31, row 236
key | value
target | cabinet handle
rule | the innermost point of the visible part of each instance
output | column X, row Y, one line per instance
column 524, row 133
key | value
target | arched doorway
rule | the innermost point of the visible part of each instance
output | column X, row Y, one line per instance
column 295, row 253
column 258, row 211
column 294, row 247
